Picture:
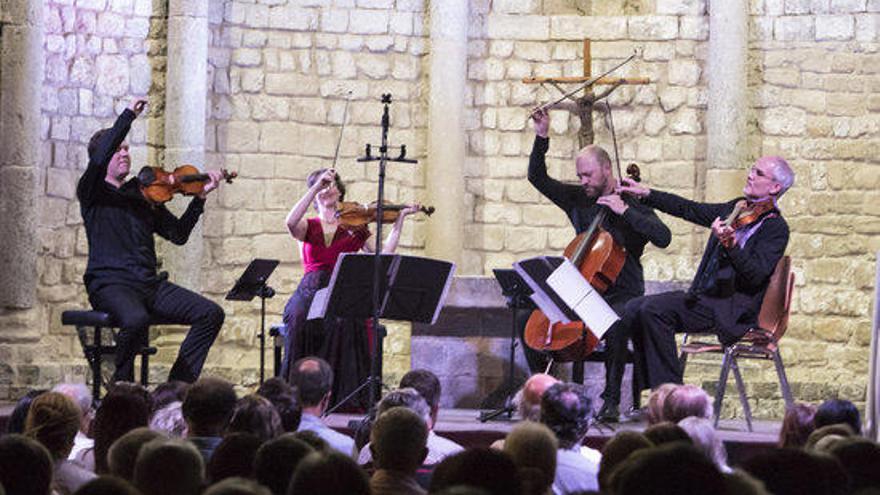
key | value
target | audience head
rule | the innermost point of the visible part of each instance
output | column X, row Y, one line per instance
column 565, row 409
column 330, row 473
column 656, row 401
column 20, row 411
column 207, row 407
column 532, row 448
column 398, row 440
column 169, row 420
column 286, row 402
column 528, row 399
column 151, row 473
column 312, row 439
column 233, row 457
column 684, row 401
column 125, row 407
column 107, row 485
column 53, row 420
column 80, row 394
column 255, row 415
column 408, row 398
column 702, row 433
column 237, row 486
column 484, row 468
column 618, row 450
column 797, row 425
column 837, row 430
column 123, row 454
column 313, row 378
column 860, row 459
column 277, row 460
column 797, row 472
column 427, row 385
column 168, row 392
column 666, row 432
column 26, row 466
column 838, row 411
column 674, row 469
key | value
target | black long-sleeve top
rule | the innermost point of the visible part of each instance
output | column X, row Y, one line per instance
column 120, row 222
column 634, row 229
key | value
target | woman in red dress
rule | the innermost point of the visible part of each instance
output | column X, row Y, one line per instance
column 341, row 342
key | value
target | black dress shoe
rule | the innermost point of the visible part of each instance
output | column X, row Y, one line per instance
column 609, row 413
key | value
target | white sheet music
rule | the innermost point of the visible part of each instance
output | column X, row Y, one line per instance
column 573, row 288
column 319, row 304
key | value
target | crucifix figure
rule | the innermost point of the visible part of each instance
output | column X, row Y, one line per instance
column 583, row 105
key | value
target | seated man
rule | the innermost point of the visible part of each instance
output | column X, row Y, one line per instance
column 427, row 385
column 398, row 441
column 313, row 377
column 566, row 410
column 728, row 288
column 207, row 407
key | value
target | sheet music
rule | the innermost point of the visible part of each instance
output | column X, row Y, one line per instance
column 319, row 304
column 573, row 288
column 533, row 271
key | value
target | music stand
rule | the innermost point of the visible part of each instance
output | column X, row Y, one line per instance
column 517, row 292
column 252, row 283
column 413, row 289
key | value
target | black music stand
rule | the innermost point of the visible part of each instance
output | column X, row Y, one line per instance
column 252, row 283
column 517, row 293
column 412, row 289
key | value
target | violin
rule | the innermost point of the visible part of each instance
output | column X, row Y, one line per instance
column 353, row 214
column 745, row 214
column 159, row 185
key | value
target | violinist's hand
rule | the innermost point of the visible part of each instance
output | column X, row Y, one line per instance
column 214, row 178
column 326, row 179
column 137, row 106
column 724, row 233
column 614, row 203
column 629, row 186
column 542, row 122
column 410, row 209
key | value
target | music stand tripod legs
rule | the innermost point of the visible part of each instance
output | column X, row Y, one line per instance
column 509, row 407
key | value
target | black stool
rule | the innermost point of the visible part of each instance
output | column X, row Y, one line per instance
column 277, row 347
column 95, row 348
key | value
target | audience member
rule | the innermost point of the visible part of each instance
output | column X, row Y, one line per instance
column 152, row 475
column 427, row 385
column 123, row 454
column 839, row 430
column 488, row 469
column 108, row 485
column 618, row 450
column 674, row 469
column 277, row 460
column 169, row 420
column 313, row 378
column 684, row 401
column 528, row 398
column 797, row 472
column 398, row 441
column 656, row 401
column 739, row 482
column 20, row 411
column 330, row 473
column 207, row 407
column 860, row 459
column 53, row 420
column 566, row 410
column 837, row 411
column 532, row 448
column 285, row 400
column 233, row 457
column 80, row 394
column 168, row 392
column 797, row 425
column 255, row 415
column 313, row 440
column 704, row 438
column 125, row 407
column 666, row 432
column 25, row 466
column 237, row 486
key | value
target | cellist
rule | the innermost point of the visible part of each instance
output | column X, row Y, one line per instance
column 630, row 224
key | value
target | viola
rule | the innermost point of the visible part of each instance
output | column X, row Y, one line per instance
column 353, row 214
column 159, row 185
column 745, row 214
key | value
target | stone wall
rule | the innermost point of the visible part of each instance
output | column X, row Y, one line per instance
column 279, row 72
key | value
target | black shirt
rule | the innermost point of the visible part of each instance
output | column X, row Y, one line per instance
column 635, row 228
column 120, row 222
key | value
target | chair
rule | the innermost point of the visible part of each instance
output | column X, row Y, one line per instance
column 761, row 342
column 100, row 344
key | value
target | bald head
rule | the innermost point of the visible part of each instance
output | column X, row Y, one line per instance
column 533, row 389
column 594, row 171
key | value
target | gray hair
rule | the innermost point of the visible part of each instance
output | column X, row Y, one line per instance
column 79, row 393
column 406, row 397
column 705, row 439
column 782, row 173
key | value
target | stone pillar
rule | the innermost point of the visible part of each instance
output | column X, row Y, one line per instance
column 727, row 112
column 872, row 410
column 21, row 73
column 185, row 101
column 446, row 134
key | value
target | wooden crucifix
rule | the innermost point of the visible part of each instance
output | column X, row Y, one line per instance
column 584, row 104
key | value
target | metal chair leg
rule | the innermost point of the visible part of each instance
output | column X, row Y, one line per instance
column 783, row 380
column 722, row 383
column 741, row 387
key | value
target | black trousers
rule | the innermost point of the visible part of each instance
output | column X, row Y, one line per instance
column 651, row 322
column 133, row 308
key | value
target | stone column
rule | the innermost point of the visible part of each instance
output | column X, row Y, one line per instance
column 727, row 112
column 446, row 134
column 185, row 101
column 21, row 75
column 872, row 412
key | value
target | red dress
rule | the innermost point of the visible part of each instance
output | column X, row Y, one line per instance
column 341, row 342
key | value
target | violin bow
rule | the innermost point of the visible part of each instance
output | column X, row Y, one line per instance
column 341, row 128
